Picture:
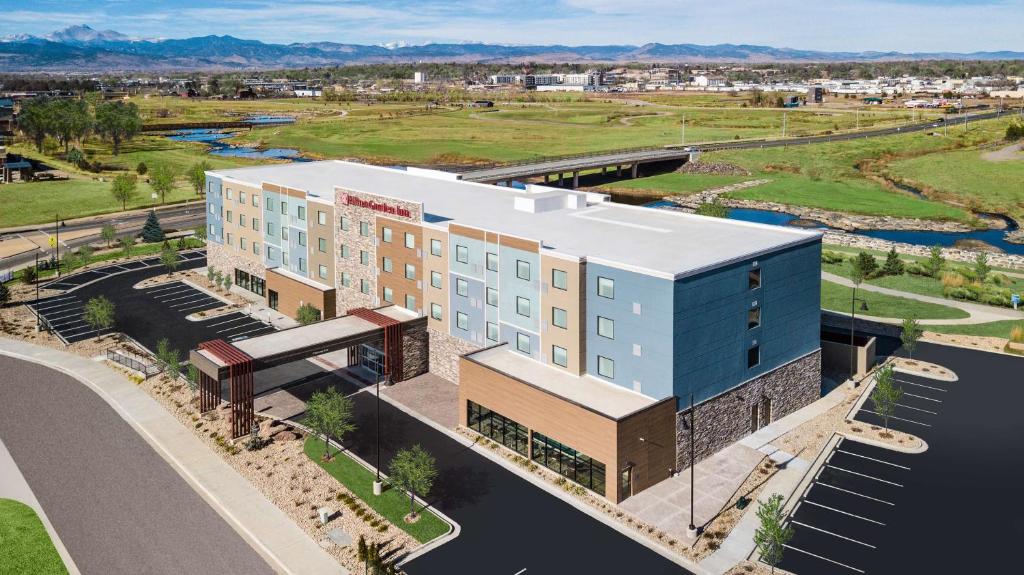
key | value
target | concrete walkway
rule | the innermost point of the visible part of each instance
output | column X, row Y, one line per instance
column 978, row 313
column 265, row 527
column 13, row 486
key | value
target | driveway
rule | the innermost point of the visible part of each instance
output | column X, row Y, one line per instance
column 117, row 505
column 955, row 508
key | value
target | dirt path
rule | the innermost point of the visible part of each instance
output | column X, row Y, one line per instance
column 628, row 120
column 1009, row 153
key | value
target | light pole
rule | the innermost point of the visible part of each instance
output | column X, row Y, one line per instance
column 691, row 530
column 853, row 317
column 38, row 320
column 682, row 136
column 378, row 486
column 56, row 244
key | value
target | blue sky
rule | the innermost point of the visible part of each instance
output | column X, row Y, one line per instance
column 904, row 25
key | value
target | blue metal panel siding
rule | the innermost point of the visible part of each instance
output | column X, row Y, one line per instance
column 510, row 334
column 214, row 209
column 512, row 287
column 475, row 267
column 651, row 329
column 472, row 305
column 295, row 225
column 272, row 219
column 711, row 338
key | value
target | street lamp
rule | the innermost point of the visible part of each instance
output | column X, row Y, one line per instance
column 378, row 485
column 853, row 317
column 692, row 530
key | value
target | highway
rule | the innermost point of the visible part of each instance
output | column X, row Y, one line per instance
column 569, row 164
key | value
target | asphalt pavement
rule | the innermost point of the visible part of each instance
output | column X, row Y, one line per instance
column 116, row 504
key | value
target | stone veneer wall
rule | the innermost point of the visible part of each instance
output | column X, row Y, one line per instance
column 226, row 258
column 725, row 419
column 444, row 354
column 415, row 349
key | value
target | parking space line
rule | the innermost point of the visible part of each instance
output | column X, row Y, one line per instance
column 855, row 493
column 229, row 321
column 237, row 327
column 250, row 331
column 823, row 558
column 917, row 409
column 922, row 397
column 194, row 306
column 188, row 295
column 194, row 299
column 160, row 288
column 63, row 314
column 872, row 459
column 922, row 385
column 834, row 534
column 864, row 475
column 60, row 305
column 898, row 418
column 808, row 501
column 58, row 298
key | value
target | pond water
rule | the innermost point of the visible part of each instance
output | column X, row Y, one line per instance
column 213, row 138
column 270, row 119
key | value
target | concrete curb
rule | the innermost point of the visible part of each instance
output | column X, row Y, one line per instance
column 857, row 405
column 553, row 490
column 199, row 486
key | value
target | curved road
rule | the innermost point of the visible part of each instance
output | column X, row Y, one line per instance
column 116, row 504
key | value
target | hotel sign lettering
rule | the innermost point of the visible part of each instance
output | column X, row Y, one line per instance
column 376, row 206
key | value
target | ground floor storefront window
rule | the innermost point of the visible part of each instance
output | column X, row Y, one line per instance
column 498, row 427
column 247, row 281
column 568, row 462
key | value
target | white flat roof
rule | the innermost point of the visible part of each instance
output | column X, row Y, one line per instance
column 664, row 243
column 588, row 391
column 304, row 336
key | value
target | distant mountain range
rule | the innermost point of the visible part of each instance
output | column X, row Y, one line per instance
column 81, row 48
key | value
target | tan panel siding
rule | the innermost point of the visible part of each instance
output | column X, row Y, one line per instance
column 292, row 294
column 316, row 231
column 432, row 263
column 519, row 243
column 474, row 233
column 571, row 300
column 400, row 256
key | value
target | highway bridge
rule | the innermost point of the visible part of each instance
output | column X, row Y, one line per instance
column 565, row 170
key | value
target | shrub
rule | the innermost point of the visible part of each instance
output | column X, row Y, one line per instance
column 1017, row 333
column 998, row 279
column 917, row 269
column 141, row 169
column 832, row 257
column 953, row 280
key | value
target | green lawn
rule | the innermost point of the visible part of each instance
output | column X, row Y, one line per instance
column 393, row 504
column 991, row 329
column 25, row 546
column 116, row 254
column 837, row 298
column 676, row 183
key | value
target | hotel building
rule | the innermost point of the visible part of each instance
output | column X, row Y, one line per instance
column 576, row 329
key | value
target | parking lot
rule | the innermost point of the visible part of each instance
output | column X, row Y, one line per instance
column 181, row 297
column 918, row 409
column 63, row 315
column 235, row 326
column 78, row 280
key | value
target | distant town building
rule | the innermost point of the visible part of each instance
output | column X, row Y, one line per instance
column 419, row 78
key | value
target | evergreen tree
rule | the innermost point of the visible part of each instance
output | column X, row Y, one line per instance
column 867, row 264
column 893, row 264
column 151, row 230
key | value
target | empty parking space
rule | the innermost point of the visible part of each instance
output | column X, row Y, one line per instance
column 63, row 316
column 918, row 409
column 78, row 280
column 840, row 522
column 235, row 326
column 181, row 297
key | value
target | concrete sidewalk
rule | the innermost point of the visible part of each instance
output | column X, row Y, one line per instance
column 265, row 527
column 13, row 486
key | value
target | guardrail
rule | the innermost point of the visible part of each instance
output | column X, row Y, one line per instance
column 147, row 369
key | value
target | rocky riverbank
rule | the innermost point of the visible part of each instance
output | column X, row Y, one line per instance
column 956, row 254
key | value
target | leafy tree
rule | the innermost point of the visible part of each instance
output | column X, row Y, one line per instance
column 329, row 413
column 5, row 294
column 161, row 179
column 210, row 273
column 192, row 377
column 413, row 470
column 218, row 278
column 99, row 314
column 118, row 122
column 123, row 189
column 151, row 230
column 307, row 314
column 127, row 243
column 197, row 175
column 108, row 233
column 29, row 275
column 1014, row 131
column 200, row 233
column 773, row 534
column 867, row 263
column 935, row 261
column 910, row 334
column 893, row 264
column 35, row 120
column 75, row 156
column 886, row 394
column 227, row 282
column 141, row 169
column 71, row 121
column 173, row 366
column 169, row 259
column 981, row 267
column 713, row 209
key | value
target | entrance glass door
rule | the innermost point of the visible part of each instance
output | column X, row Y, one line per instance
column 372, row 359
column 272, row 299
column 627, row 482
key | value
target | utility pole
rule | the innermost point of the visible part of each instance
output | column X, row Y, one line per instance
column 783, row 125
column 56, row 225
column 38, row 319
column 378, row 486
column 682, row 137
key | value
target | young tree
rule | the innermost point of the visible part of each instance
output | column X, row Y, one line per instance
column 867, row 263
column 893, row 264
column 173, row 365
column 117, row 122
column 935, row 261
column 210, row 273
column 981, row 267
column 199, row 233
column 141, row 169
column 227, row 282
column 127, row 243
column 363, row 553
column 192, row 377
column 886, row 394
column 123, row 189
column 35, row 120
column 5, row 294
column 151, row 230
column 169, row 259
column 413, row 470
column 713, row 209
column 329, row 413
column 773, row 534
column 29, row 275
column 218, row 278
column 910, row 334
column 99, row 314
column 307, row 314
column 108, row 233
column 161, row 179
column 197, row 175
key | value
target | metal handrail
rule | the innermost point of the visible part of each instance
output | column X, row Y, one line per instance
column 146, row 369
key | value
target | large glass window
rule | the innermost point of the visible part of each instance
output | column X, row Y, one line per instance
column 498, row 427
column 605, row 367
column 462, row 254
column 559, row 356
column 250, row 282
column 559, row 317
column 492, row 297
column 605, row 327
column 492, row 262
column 606, row 287
column 568, row 462
column 523, row 270
column 559, row 279
column 461, row 287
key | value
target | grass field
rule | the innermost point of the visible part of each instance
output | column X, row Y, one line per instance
column 25, row 546
column 673, row 183
column 837, row 298
column 990, row 329
column 910, row 283
column 392, row 504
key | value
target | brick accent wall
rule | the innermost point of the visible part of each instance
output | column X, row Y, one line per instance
column 444, row 354
column 726, row 418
